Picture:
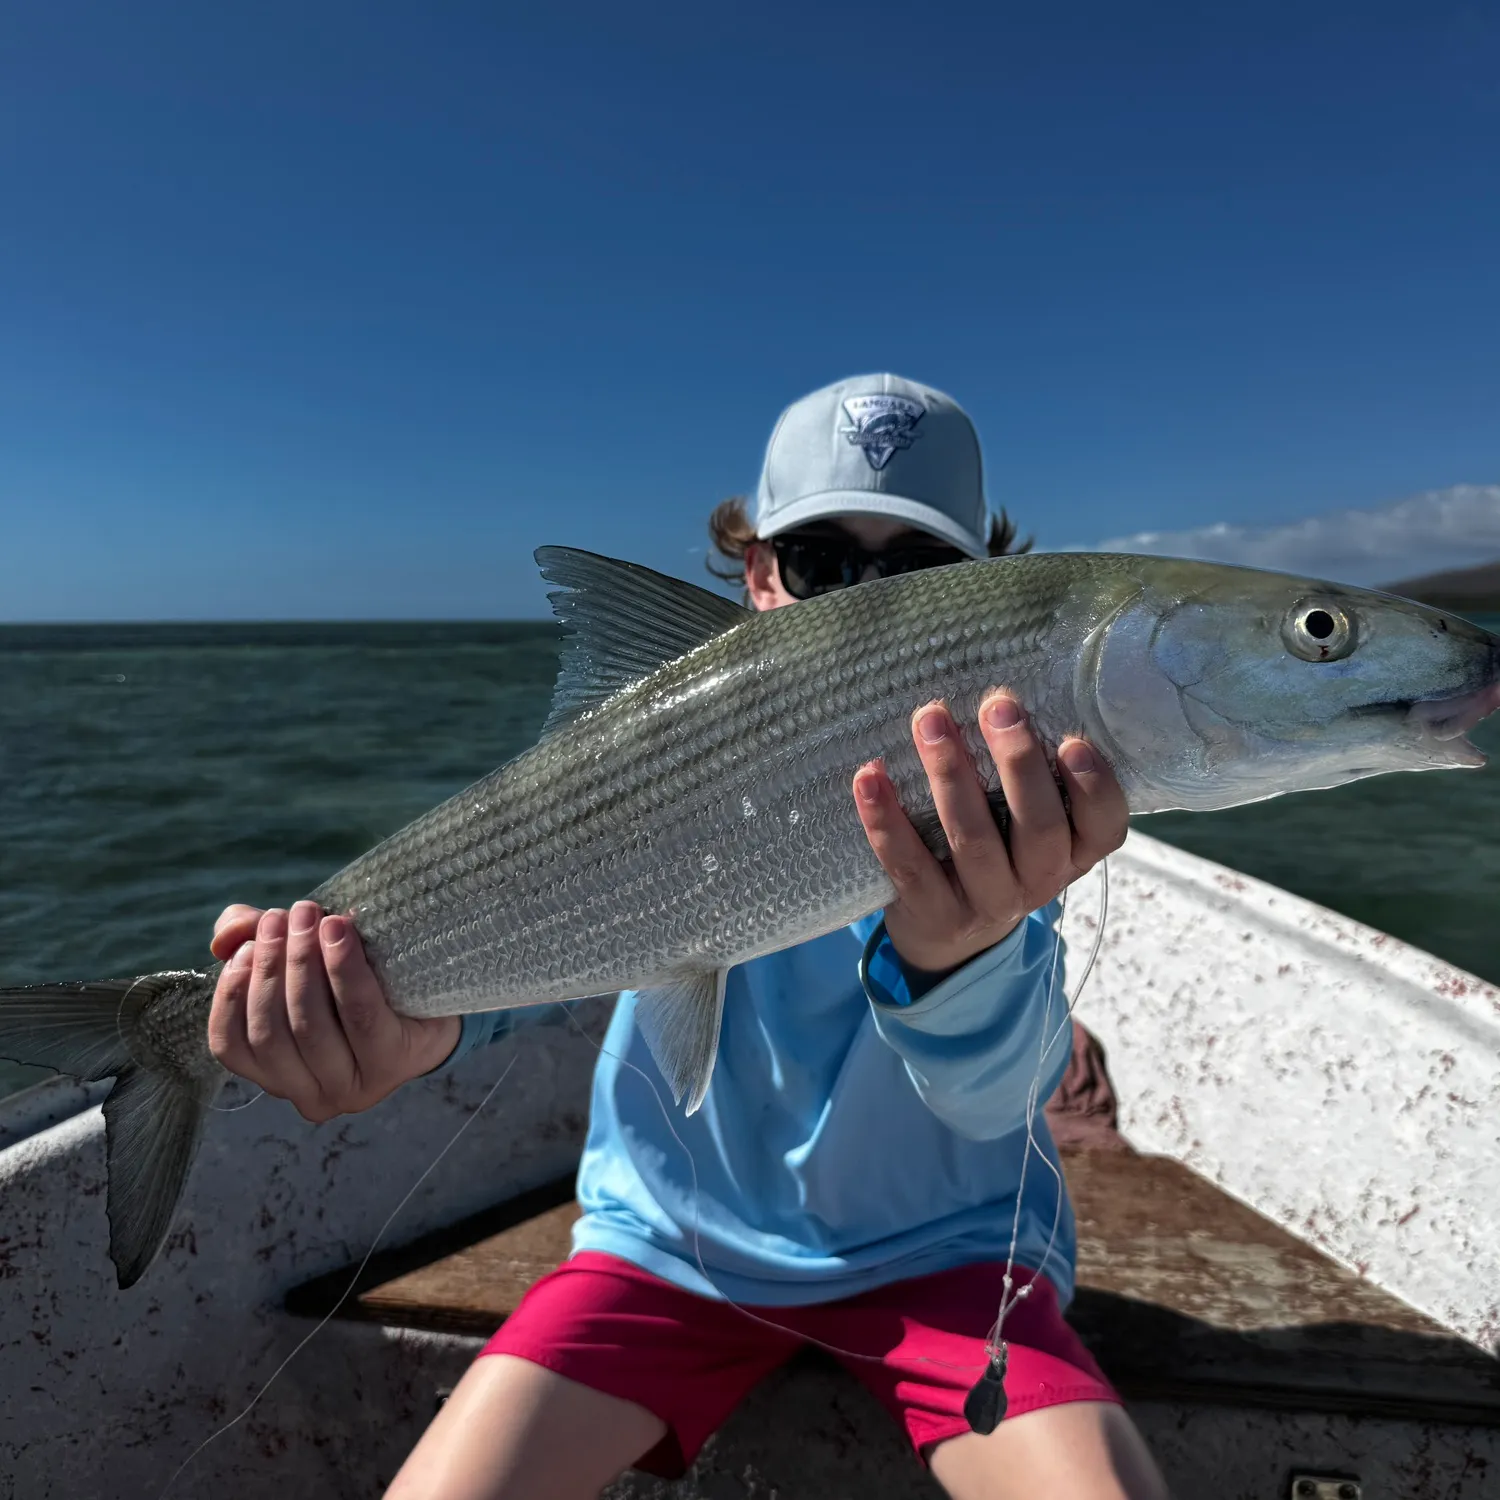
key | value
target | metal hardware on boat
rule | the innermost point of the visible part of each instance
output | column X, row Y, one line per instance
column 1325, row 1487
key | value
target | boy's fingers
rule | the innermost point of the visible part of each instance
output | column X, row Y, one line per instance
column 236, row 911
column 310, row 1012
column 1040, row 839
column 227, row 1038
column 980, row 858
column 1100, row 815
column 267, row 1025
column 922, row 886
column 236, row 925
column 372, row 1028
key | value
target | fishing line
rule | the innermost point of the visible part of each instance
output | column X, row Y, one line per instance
column 992, row 1372
column 1098, row 942
column 986, row 1403
column 703, row 1270
column 234, row 1109
column 1011, row 1295
column 348, row 1290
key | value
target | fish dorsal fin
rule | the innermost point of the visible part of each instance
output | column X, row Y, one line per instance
column 623, row 622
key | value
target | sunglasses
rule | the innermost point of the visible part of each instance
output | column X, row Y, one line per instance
column 813, row 565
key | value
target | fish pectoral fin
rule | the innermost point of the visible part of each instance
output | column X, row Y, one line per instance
column 623, row 622
column 680, row 1023
column 152, row 1127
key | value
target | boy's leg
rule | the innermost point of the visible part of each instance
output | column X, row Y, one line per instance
column 602, row 1366
column 513, row 1430
column 1066, row 1432
column 1087, row 1450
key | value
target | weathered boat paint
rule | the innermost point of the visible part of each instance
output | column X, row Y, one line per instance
column 1243, row 1026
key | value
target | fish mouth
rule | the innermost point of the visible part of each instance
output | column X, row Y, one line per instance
column 1452, row 718
column 1441, row 724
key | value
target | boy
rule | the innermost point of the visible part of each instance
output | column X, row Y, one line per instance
column 856, row 1165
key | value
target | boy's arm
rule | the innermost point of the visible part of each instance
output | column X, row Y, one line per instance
column 975, row 1042
column 478, row 1030
column 1062, row 818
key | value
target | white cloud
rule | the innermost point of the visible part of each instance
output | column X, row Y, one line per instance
column 1452, row 528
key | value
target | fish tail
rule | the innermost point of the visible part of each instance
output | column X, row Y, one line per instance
column 155, row 1112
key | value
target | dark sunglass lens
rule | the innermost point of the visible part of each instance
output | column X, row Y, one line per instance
column 818, row 565
column 811, row 567
column 915, row 559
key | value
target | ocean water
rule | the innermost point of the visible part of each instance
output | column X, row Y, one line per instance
column 151, row 774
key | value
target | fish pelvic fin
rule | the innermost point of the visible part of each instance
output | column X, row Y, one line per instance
column 680, row 1022
column 128, row 1030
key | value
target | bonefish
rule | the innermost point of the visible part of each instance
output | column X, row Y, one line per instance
column 688, row 806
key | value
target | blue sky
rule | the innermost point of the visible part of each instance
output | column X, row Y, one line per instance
column 340, row 309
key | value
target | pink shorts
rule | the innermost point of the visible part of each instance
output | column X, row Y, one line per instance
column 618, row 1329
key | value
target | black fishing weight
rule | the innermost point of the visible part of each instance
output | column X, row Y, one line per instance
column 984, row 1406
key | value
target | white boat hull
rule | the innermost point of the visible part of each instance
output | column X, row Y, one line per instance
column 1339, row 1082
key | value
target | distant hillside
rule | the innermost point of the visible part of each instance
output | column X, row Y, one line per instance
column 1463, row 590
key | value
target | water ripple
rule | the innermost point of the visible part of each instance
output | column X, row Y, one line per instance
column 151, row 774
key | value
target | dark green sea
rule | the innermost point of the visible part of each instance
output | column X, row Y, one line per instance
column 149, row 774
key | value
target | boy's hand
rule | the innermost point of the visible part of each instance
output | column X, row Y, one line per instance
column 944, row 914
column 299, row 1011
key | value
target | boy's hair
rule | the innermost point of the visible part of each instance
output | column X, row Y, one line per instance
column 731, row 531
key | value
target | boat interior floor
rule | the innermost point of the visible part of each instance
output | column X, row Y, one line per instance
column 1185, row 1295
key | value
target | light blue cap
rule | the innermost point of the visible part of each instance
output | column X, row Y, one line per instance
column 876, row 445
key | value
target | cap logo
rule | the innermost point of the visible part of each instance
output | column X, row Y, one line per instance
column 882, row 425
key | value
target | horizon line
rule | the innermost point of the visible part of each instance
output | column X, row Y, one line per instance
column 285, row 620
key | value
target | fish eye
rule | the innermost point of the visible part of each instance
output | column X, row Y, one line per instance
column 1318, row 630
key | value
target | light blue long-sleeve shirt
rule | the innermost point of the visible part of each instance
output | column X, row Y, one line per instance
column 854, row 1134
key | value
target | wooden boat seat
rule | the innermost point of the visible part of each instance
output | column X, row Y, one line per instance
column 1184, row 1294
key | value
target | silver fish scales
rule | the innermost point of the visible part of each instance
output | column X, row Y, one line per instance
column 689, row 805
column 701, row 817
